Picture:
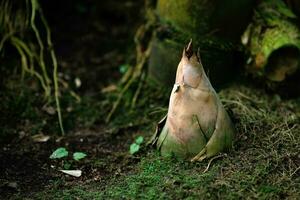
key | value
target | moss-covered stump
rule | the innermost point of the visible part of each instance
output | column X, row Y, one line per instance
column 211, row 24
column 273, row 42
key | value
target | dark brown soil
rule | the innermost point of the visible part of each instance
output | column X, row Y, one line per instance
column 26, row 167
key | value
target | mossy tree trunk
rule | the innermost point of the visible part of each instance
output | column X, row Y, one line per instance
column 273, row 42
column 215, row 26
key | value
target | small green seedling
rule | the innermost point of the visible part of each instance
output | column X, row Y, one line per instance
column 59, row 153
column 62, row 153
column 135, row 147
column 78, row 156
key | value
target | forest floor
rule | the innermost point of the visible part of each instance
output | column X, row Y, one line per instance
column 264, row 163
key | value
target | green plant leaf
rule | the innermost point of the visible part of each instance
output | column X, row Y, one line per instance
column 59, row 153
column 139, row 140
column 134, row 148
column 78, row 156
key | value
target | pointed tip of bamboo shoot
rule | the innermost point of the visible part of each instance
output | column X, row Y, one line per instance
column 188, row 51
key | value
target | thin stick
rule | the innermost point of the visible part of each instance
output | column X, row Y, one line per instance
column 136, row 95
column 209, row 163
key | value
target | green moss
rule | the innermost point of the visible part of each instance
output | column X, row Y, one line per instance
column 178, row 13
column 280, row 33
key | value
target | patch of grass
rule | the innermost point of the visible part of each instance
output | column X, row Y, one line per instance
column 77, row 191
column 162, row 178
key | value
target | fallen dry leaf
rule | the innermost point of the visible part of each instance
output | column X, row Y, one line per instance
column 76, row 173
column 40, row 138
